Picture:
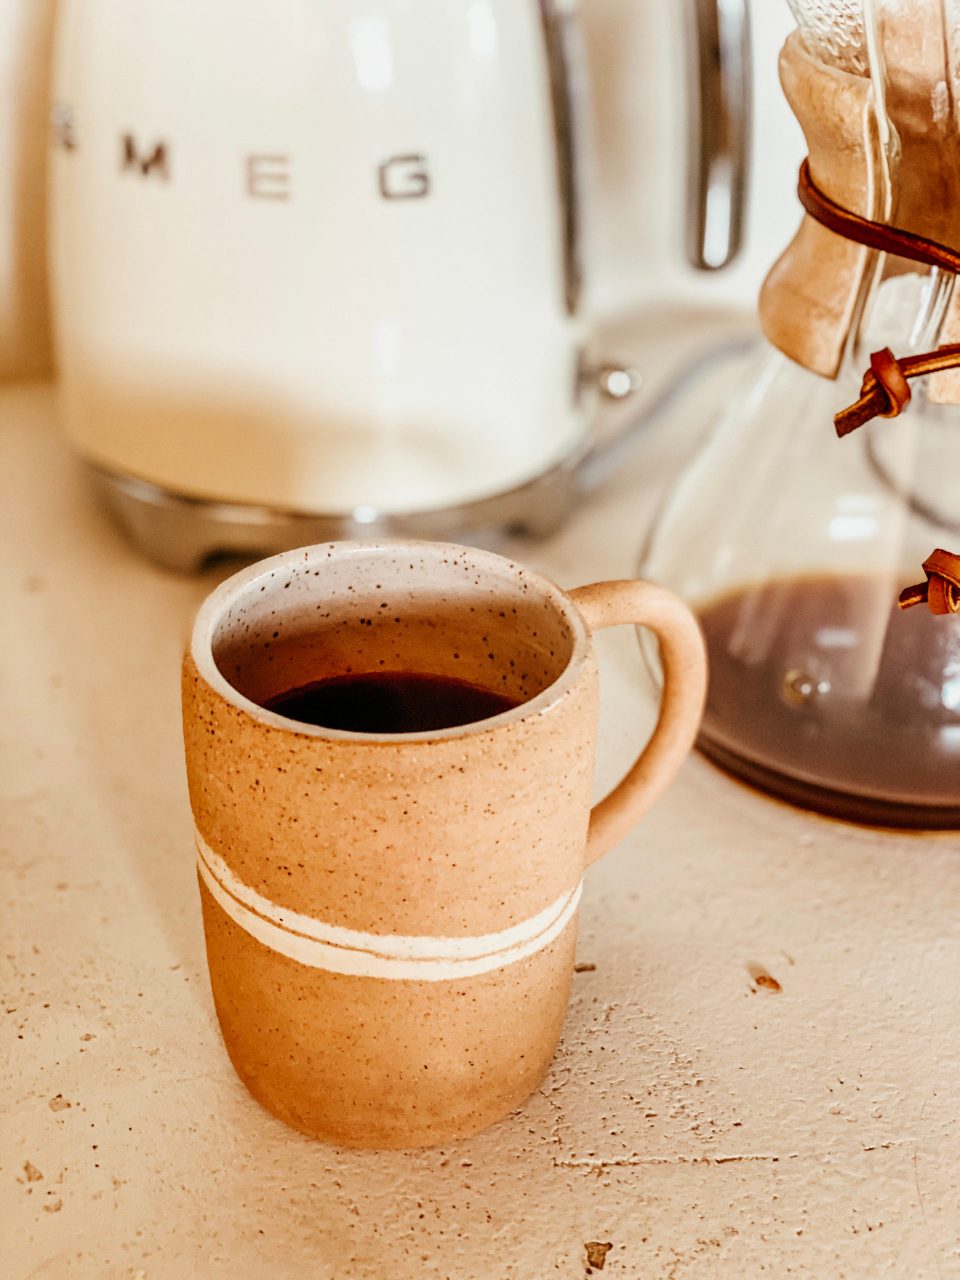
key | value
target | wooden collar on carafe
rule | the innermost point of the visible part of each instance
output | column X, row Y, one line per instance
column 885, row 391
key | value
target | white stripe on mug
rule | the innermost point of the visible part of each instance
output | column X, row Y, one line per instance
column 332, row 947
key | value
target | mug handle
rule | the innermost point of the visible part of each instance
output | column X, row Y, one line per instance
column 684, row 659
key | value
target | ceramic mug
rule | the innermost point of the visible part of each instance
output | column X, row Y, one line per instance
column 390, row 919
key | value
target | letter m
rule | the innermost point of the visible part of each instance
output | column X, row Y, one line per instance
column 143, row 163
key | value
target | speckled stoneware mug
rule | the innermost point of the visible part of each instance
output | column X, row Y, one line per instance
column 390, row 919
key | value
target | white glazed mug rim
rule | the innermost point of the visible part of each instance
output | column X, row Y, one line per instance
column 214, row 608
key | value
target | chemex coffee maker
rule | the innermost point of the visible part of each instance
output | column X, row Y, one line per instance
column 835, row 674
column 317, row 269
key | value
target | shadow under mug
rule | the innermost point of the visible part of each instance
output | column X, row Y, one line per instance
column 390, row 919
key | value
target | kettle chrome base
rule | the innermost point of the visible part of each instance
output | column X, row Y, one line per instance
column 183, row 533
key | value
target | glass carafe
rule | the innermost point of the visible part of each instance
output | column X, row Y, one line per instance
column 793, row 545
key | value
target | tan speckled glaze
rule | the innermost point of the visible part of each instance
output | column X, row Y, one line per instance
column 390, row 919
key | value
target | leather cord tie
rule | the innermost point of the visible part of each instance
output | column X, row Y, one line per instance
column 941, row 591
column 885, row 391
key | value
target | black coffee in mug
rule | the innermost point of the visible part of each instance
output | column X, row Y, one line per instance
column 390, row 702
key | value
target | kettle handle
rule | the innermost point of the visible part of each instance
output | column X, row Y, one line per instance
column 720, row 134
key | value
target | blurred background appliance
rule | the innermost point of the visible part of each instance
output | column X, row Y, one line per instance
column 281, row 291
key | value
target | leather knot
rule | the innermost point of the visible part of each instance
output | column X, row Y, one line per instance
column 885, row 391
column 885, row 372
column 941, row 591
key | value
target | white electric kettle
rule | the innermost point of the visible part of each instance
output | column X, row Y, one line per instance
column 316, row 267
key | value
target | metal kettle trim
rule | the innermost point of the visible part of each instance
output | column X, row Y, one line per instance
column 183, row 533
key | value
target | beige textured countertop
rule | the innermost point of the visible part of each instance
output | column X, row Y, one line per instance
column 701, row 1125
